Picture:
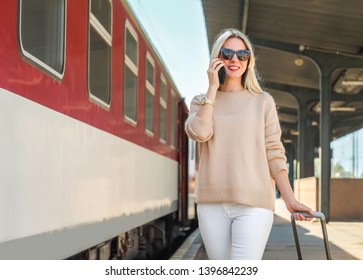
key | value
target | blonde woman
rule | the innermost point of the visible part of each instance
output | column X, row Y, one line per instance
column 241, row 154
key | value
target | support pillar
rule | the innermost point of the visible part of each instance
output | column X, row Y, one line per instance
column 302, row 139
column 306, row 142
column 325, row 138
column 290, row 159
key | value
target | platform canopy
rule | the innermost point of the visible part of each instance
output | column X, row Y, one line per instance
column 290, row 38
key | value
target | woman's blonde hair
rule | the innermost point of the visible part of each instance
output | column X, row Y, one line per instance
column 251, row 77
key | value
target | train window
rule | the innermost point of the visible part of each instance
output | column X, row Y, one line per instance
column 149, row 94
column 130, row 74
column 99, row 48
column 162, row 114
column 150, row 71
column 173, row 118
column 42, row 34
column 101, row 10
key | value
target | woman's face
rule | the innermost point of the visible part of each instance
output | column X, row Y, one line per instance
column 234, row 67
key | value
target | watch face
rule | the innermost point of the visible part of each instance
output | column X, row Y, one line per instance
column 205, row 101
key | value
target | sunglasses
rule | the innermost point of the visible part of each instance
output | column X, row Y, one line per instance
column 227, row 54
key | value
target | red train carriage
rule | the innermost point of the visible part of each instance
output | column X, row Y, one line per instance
column 93, row 152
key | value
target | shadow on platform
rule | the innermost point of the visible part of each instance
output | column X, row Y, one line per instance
column 345, row 240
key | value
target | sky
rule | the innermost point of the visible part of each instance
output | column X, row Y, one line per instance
column 177, row 30
column 348, row 152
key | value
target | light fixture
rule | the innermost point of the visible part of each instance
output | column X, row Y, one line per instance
column 352, row 82
column 287, row 141
column 299, row 61
column 294, row 132
column 342, row 109
column 334, row 108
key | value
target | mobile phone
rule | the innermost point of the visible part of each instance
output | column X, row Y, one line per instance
column 222, row 75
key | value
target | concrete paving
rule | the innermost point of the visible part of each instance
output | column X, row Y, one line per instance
column 345, row 240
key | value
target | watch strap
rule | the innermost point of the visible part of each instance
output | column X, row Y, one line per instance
column 206, row 100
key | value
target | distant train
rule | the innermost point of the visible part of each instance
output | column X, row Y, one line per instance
column 93, row 154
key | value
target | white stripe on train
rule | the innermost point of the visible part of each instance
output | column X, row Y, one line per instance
column 58, row 173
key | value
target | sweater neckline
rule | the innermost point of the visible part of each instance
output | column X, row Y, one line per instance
column 231, row 93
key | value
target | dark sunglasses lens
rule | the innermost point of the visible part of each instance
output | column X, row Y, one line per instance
column 243, row 54
column 226, row 53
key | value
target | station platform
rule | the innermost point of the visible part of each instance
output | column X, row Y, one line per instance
column 345, row 240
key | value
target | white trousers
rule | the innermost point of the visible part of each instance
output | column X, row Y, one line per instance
column 234, row 231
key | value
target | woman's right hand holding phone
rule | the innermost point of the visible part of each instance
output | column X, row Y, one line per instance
column 206, row 112
column 215, row 65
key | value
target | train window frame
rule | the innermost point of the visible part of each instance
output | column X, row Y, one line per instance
column 163, row 105
column 149, row 89
column 173, row 119
column 95, row 25
column 32, row 58
column 134, row 68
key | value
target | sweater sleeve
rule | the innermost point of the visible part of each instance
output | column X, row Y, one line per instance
column 275, row 150
column 196, row 128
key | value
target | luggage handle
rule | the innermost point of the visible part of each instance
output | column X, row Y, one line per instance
column 321, row 217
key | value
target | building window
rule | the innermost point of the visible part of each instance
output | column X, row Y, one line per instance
column 149, row 93
column 42, row 34
column 347, row 156
column 130, row 74
column 162, row 109
column 173, row 118
column 99, row 44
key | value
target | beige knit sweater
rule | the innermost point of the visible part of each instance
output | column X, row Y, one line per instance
column 240, row 150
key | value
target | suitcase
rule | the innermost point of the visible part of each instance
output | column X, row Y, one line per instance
column 320, row 216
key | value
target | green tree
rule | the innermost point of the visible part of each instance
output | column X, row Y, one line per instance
column 338, row 171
